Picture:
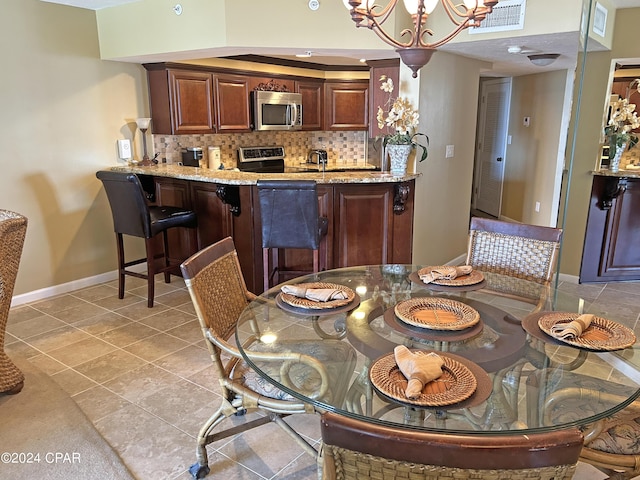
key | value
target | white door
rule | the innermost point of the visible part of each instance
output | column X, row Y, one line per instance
column 492, row 145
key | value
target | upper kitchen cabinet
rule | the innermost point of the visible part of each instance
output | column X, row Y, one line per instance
column 377, row 97
column 232, row 103
column 346, row 105
column 312, row 103
column 182, row 101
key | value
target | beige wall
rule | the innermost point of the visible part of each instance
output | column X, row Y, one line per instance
column 443, row 192
column 532, row 158
column 62, row 111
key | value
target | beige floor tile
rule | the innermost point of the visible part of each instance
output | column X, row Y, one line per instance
column 22, row 313
column 190, row 332
column 155, row 347
column 72, row 382
column 81, row 352
column 79, row 312
column 48, row 365
column 135, row 433
column 98, row 402
column 137, row 384
column 128, row 334
column 113, row 302
column 98, row 292
column 103, row 323
column 174, row 299
column 109, row 366
column 138, row 311
column 185, row 362
column 60, row 337
column 35, row 326
column 58, row 304
column 167, row 319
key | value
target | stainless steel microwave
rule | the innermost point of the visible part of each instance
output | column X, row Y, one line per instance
column 276, row 110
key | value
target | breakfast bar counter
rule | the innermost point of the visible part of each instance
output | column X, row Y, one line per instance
column 370, row 214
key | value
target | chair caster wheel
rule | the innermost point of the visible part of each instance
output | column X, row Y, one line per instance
column 240, row 412
column 199, row 471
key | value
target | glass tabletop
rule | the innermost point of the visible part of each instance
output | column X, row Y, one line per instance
column 501, row 372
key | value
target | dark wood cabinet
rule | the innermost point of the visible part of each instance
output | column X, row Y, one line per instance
column 175, row 192
column 368, row 223
column 613, row 224
column 182, row 102
column 377, row 97
column 232, row 103
column 312, row 92
column 346, row 105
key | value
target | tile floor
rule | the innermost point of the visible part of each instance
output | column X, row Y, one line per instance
column 143, row 377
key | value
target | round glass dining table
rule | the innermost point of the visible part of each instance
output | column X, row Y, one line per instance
column 502, row 373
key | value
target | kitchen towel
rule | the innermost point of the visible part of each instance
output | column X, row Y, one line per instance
column 314, row 294
column 418, row 369
column 572, row 329
column 445, row 272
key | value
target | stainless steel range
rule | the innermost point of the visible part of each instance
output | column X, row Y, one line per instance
column 261, row 159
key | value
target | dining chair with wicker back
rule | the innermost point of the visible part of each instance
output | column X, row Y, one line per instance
column 516, row 259
column 13, row 228
column 355, row 450
column 321, row 368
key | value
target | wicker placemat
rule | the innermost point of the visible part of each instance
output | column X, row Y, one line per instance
column 472, row 278
column 427, row 334
column 457, row 382
column 317, row 312
column 601, row 335
column 436, row 313
column 413, row 277
column 310, row 304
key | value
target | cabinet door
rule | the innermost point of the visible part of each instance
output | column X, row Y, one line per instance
column 377, row 97
column 363, row 225
column 216, row 218
column 191, row 102
column 346, row 105
column 312, row 103
column 232, row 102
column 175, row 193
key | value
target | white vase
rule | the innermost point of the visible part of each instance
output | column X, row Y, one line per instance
column 614, row 165
column 398, row 156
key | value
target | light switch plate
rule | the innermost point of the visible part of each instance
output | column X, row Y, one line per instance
column 124, row 149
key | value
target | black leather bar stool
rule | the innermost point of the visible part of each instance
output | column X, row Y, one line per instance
column 133, row 216
column 290, row 219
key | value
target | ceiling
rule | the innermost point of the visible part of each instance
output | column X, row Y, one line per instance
column 495, row 52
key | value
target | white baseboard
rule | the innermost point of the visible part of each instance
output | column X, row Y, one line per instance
column 49, row 292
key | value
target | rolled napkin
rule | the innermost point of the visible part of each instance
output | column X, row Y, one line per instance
column 445, row 272
column 314, row 294
column 418, row 369
column 574, row 328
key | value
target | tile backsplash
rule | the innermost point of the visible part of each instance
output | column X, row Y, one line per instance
column 346, row 147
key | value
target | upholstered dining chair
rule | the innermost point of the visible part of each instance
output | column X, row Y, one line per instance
column 322, row 368
column 133, row 216
column 517, row 260
column 290, row 219
column 13, row 228
column 354, row 450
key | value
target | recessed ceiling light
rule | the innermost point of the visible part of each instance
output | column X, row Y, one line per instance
column 306, row 54
column 363, row 60
column 514, row 49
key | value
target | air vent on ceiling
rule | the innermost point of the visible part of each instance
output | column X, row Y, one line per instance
column 506, row 15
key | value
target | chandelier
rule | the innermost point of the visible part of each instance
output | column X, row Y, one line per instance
column 415, row 51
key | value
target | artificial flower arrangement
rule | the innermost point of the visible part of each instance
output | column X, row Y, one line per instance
column 622, row 122
column 401, row 119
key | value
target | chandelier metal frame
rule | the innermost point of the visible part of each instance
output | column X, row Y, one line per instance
column 416, row 51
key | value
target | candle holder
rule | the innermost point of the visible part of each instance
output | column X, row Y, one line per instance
column 143, row 125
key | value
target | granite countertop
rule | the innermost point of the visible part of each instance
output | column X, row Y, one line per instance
column 233, row 177
column 622, row 173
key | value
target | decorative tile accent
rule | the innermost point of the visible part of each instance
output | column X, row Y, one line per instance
column 349, row 147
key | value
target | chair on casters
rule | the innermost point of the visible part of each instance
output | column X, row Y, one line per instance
column 219, row 294
column 519, row 253
column 13, row 228
column 356, row 450
column 290, row 219
column 133, row 216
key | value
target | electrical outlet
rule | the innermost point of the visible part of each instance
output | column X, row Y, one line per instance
column 449, row 151
column 537, row 206
column 526, row 121
column 124, row 149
